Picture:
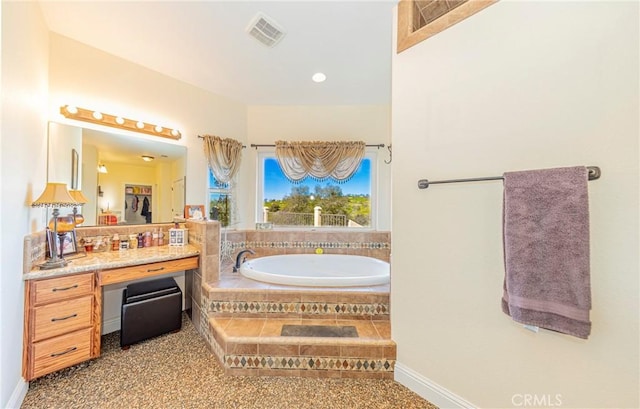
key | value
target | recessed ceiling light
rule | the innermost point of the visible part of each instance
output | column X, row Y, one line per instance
column 147, row 158
column 319, row 77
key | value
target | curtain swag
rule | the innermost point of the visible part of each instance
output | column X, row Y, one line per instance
column 223, row 156
column 320, row 160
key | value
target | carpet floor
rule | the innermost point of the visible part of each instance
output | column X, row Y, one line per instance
column 178, row 371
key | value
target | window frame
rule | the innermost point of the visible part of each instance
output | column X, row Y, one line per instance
column 370, row 153
column 229, row 191
column 407, row 37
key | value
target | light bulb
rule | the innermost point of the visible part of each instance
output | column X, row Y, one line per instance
column 139, row 124
column 72, row 110
column 119, row 120
column 158, row 129
column 97, row 115
column 175, row 132
column 319, row 77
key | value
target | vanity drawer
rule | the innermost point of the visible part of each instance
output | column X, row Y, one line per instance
column 62, row 317
column 60, row 352
column 120, row 275
column 62, row 288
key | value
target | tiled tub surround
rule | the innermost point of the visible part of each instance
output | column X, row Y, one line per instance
column 271, row 242
column 241, row 319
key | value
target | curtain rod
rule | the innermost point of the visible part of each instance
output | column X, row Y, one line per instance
column 202, row 137
column 253, row 145
column 594, row 173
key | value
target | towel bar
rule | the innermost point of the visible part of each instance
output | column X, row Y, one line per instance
column 594, row 173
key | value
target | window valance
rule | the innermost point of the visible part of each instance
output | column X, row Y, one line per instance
column 223, row 156
column 320, row 160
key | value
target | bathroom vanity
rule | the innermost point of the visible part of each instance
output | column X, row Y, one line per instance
column 63, row 306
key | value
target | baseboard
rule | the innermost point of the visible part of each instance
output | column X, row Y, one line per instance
column 429, row 390
column 18, row 394
column 111, row 325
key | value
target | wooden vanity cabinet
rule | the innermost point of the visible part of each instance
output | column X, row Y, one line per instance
column 62, row 323
column 63, row 315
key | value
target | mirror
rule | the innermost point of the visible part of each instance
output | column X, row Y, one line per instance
column 132, row 191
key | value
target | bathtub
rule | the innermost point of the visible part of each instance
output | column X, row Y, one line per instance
column 314, row 270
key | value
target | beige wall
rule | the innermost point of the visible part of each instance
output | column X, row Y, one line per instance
column 369, row 123
column 89, row 78
column 23, row 172
column 521, row 85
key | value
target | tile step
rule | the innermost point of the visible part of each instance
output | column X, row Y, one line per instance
column 251, row 347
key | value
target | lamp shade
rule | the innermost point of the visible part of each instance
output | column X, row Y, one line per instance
column 55, row 195
column 78, row 197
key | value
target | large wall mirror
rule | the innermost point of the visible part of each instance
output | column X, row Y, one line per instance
column 111, row 171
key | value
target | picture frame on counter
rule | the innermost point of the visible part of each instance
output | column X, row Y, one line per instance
column 68, row 240
column 194, row 212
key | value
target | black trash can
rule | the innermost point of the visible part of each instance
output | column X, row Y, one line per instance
column 149, row 309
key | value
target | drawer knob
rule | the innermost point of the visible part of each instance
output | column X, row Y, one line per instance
column 64, row 352
column 155, row 269
column 64, row 318
column 65, row 289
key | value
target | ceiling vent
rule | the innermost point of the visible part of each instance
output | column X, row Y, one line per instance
column 265, row 30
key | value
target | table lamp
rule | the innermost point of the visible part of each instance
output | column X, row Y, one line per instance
column 55, row 195
column 80, row 200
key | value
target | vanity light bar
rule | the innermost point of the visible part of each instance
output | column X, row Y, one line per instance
column 87, row 115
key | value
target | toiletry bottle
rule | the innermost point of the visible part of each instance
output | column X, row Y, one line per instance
column 140, row 240
column 147, row 239
column 115, row 242
column 154, row 240
column 160, row 238
column 133, row 241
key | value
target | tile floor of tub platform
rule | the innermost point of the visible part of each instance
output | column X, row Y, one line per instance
column 178, row 371
column 267, row 328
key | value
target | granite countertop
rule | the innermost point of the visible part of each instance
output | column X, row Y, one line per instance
column 82, row 262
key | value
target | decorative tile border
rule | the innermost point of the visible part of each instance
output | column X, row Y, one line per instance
column 237, row 245
column 227, row 248
column 308, row 363
column 303, row 308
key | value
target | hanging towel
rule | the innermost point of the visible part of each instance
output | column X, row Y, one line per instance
column 145, row 207
column 546, row 249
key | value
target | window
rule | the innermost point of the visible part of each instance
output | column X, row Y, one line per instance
column 420, row 19
column 316, row 203
column 220, row 201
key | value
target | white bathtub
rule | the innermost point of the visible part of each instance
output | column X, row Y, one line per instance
column 313, row 270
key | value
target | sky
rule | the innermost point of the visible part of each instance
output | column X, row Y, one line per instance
column 276, row 185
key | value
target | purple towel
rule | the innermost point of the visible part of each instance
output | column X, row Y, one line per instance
column 546, row 249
